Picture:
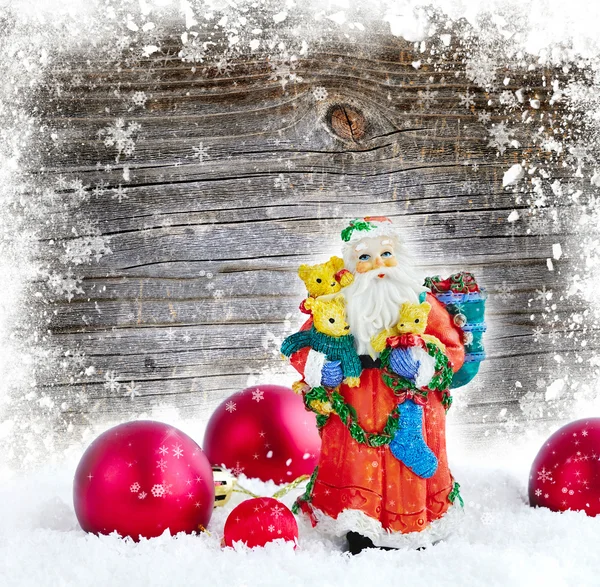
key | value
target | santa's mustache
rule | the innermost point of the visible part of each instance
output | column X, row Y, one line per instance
column 383, row 275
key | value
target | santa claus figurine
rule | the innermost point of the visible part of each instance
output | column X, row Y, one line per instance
column 383, row 478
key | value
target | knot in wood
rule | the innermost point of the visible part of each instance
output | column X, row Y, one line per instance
column 348, row 123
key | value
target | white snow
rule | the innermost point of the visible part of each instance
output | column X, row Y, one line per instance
column 513, row 175
column 554, row 389
column 502, row 542
column 556, row 251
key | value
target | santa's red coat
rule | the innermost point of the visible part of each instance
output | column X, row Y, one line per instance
column 354, row 476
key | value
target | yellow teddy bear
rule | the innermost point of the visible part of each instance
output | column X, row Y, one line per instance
column 326, row 278
column 331, row 340
column 411, row 320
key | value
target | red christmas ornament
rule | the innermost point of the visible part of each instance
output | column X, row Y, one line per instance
column 140, row 478
column 565, row 475
column 258, row 521
column 264, row 431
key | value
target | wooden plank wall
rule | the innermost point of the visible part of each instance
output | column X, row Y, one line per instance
column 190, row 206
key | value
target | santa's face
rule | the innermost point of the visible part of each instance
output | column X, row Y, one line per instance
column 374, row 253
column 382, row 283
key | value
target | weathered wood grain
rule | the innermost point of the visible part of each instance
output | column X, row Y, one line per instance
column 234, row 180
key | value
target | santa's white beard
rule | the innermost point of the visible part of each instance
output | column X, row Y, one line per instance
column 373, row 303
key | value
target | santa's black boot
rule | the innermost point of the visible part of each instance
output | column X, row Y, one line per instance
column 357, row 542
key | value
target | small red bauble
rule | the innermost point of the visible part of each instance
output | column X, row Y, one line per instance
column 264, row 431
column 258, row 521
column 141, row 478
column 565, row 475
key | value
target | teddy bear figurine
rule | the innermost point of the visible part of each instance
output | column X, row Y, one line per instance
column 324, row 279
column 328, row 339
column 412, row 319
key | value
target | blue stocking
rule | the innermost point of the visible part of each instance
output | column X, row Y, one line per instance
column 408, row 444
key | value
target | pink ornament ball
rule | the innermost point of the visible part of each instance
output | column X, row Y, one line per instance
column 565, row 474
column 258, row 521
column 140, row 478
column 264, row 431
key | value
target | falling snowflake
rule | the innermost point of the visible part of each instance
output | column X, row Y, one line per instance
column 543, row 295
column 511, row 424
column 426, row 98
column 258, row 395
column 135, row 487
column 320, row 93
column 505, row 292
column 537, row 333
column 532, row 405
column 64, row 284
column 120, row 194
column 142, row 495
column 282, row 182
column 158, row 490
column 538, row 223
column 500, row 137
column 132, row 390
column 139, row 98
column 508, row 99
column 193, row 52
column 481, row 70
column 177, row 451
column 163, row 450
column 484, row 117
column 538, row 492
column 120, row 136
column 467, row 100
column 224, row 66
column 230, row 406
column 162, row 465
column 544, row 475
column 82, row 250
column 89, row 228
column 271, row 528
column 78, row 358
column 283, row 68
column 79, row 191
column 99, row 189
column 111, row 381
column 200, row 152
column 170, row 335
column 554, row 336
